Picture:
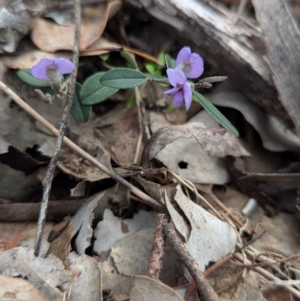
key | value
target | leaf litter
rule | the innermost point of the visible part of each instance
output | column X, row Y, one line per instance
column 105, row 247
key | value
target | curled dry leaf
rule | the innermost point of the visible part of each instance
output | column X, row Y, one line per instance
column 216, row 142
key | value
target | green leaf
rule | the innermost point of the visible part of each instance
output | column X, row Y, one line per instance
column 170, row 62
column 129, row 57
column 161, row 58
column 216, row 114
column 104, row 56
column 25, row 76
column 123, row 78
column 151, row 68
column 80, row 112
column 131, row 102
column 93, row 92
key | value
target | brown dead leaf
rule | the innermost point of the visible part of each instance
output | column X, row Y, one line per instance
column 50, row 37
column 120, row 129
column 94, row 22
column 117, row 283
column 27, row 59
column 217, row 142
column 148, row 289
column 60, row 240
column 282, row 235
column 19, row 289
column 22, row 234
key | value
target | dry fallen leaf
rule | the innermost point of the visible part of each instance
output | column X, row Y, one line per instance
column 148, row 289
column 118, row 284
column 81, row 224
column 45, row 273
column 50, row 37
column 210, row 239
column 112, row 228
column 22, row 234
column 216, row 142
column 19, row 289
column 87, row 282
column 190, row 150
column 120, row 127
column 131, row 253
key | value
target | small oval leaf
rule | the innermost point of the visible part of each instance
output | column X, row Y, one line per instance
column 123, row 78
column 80, row 112
column 129, row 57
column 25, row 76
column 216, row 114
column 170, row 62
column 93, row 92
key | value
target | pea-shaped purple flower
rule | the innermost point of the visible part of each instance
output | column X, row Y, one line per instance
column 181, row 90
column 190, row 63
column 44, row 66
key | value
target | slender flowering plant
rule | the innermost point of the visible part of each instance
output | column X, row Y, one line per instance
column 101, row 85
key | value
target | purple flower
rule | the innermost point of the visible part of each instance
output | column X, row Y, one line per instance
column 190, row 63
column 182, row 88
column 62, row 65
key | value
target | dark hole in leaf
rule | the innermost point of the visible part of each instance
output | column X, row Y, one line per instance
column 183, row 165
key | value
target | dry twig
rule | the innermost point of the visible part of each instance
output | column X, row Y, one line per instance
column 205, row 289
column 64, row 121
column 158, row 249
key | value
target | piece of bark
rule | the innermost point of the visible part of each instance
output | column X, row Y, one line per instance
column 22, row 212
column 283, row 48
column 234, row 50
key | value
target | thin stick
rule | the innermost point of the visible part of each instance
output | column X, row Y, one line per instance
column 205, row 289
column 226, row 258
column 158, row 249
column 63, row 125
column 140, row 117
column 269, row 276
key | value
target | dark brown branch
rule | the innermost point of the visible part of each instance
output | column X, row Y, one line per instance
column 65, row 117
